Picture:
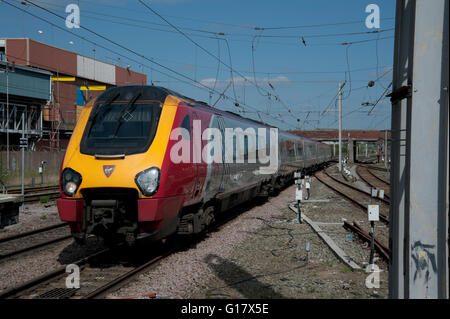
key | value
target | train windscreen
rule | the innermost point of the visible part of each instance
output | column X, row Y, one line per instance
column 121, row 127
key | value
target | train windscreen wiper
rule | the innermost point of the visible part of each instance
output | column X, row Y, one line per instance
column 107, row 103
column 127, row 109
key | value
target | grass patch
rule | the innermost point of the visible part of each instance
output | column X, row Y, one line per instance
column 345, row 269
column 44, row 199
column 312, row 290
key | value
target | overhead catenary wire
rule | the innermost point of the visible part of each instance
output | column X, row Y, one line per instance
column 216, row 34
column 327, row 35
column 348, row 72
column 314, row 25
column 119, row 54
column 241, row 26
column 194, row 42
column 197, row 84
column 97, row 13
column 201, row 47
column 383, row 95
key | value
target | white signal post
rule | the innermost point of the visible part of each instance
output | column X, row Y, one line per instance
column 299, row 194
column 23, row 146
column 373, row 213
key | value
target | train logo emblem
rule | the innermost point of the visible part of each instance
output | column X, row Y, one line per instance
column 108, row 169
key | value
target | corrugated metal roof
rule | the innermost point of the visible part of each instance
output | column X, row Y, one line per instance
column 25, row 82
column 25, row 68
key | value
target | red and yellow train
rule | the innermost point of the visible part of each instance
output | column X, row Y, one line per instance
column 122, row 177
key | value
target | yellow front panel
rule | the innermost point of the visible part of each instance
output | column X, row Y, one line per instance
column 91, row 169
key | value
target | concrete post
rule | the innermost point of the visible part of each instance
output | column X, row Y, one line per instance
column 350, row 150
column 419, row 152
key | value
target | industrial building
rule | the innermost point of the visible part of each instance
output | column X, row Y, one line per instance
column 49, row 86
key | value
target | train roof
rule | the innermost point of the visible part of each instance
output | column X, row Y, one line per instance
column 152, row 92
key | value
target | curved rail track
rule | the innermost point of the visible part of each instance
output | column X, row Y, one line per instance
column 358, row 197
column 372, row 180
column 361, row 199
column 382, row 250
column 386, row 181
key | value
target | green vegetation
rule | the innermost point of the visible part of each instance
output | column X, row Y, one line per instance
column 312, row 290
column 43, row 199
column 345, row 269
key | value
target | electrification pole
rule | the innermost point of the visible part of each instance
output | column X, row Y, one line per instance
column 22, row 146
column 385, row 150
column 7, row 117
column 419, row 217
column 340, row 125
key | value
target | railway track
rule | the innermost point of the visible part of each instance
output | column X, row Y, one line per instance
column 382, row 250
column 377, row 175
column 19, row 243
column 372, row 180
column 108, row 269
column 383, row 169
column 33, row 194
column 358, row 197
column 25, row 289
column 99, row 274
column 34, row 197
column 37, row 189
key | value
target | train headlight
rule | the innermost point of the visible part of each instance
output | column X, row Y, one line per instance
column 148, row 181
column 70, row 181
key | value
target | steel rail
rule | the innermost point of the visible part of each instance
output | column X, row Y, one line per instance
column 379, row 178
column 355, row 188
column 29, row 190
column 32, row 232
column 350, row 198
column 373, row 181
column 14, row 291
column 101, row 291
column 382, row 249
column 23, row 250
column 36, row 196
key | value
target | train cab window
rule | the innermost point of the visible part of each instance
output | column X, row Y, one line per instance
column 121, row 128
column 186, row 124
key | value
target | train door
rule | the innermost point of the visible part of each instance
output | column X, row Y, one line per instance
column 224, row 170
column 200, row 168
column 316, row 154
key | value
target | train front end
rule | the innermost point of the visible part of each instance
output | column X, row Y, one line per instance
column 111, row 181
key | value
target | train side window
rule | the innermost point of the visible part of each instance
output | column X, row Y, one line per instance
column 186, row 124
column 299, row 150
column 246, row 148
column 291, row 150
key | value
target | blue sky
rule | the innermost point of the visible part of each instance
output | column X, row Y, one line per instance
column 281, row 78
